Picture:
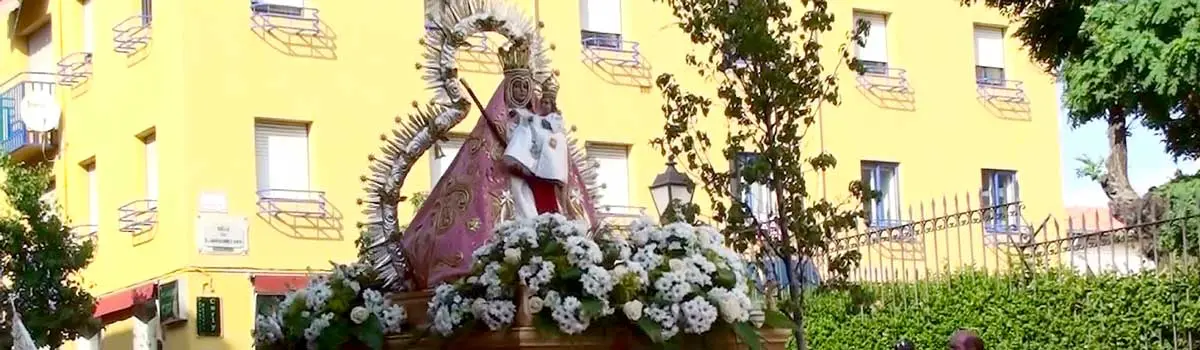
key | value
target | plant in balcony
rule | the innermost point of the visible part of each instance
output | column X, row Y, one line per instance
column 344, row 310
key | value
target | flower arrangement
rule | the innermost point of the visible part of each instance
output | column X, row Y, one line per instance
column 343, row 309
column 663, row 280
column 547, row 262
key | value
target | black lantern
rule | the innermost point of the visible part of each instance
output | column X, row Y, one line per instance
column 671, row 187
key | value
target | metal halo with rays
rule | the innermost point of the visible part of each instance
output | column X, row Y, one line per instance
column 411, row 138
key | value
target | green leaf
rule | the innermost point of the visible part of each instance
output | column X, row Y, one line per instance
column 746, row 332
column 545, row 325
column 370, row 332
column 334, row 336
column 777, row 319
column 571, row 274
column 651, row 328
column 592, row 307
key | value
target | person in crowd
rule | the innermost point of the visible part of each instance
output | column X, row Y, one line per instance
column 965, row 340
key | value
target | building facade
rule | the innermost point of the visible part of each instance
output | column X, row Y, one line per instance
column 213, row 149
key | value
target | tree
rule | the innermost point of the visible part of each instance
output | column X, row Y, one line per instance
column 1121, row 62
column 771, row 83
column 41, row 262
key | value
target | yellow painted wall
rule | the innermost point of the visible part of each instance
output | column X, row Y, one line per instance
column 206, row 76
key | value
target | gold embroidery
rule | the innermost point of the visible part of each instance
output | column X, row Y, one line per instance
column 473, row 224
column 451, row 206
column 451, row 261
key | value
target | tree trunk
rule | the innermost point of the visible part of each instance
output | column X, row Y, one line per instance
column 1126, row 205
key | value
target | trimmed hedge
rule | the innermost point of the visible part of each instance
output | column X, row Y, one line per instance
column 1052, row 310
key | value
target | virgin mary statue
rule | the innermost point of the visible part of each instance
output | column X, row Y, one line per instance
column 514, row 164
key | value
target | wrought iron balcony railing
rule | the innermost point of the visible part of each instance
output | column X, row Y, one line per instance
column 75, row 68
column 1006, row 91
column 290, row 19
column 131, row 34
column 296, row 203
column 17, row 140
column 891, row 229
column 884, row 78
column 620, row 217
column 138, row 216
column 611, row 49
column 83, row 233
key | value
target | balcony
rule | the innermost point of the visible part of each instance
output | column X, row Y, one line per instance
column 19, row 140
column 270, row 17
column 131, row 34
column 620, row 217
column 294, row 203
column 878, row 76
column 75, row 68
column 138, row 216
column 610, row 49
column 85, row 233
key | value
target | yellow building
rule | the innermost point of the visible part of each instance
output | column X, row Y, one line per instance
column 213, row 148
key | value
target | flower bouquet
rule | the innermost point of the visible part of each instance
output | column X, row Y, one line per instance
column 345, row 310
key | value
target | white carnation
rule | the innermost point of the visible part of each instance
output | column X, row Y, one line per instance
column 512, row 255
column 633, row 310
column 698, row 315
column 536, row 304
column 359, row 314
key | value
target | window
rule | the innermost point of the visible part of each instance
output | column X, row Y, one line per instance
column 88, row 27
column 151, row 153
column 1000, row 188
column 267, row 304
column 93, row 191
column 89, row 343
column 282, row 159
column 41, row 54
column 873, row 53
column 440, row 165
column 882, row 178
column 147, row 12
column 613, row 175
column 278, row 7
column 601, row 22
column 758, row 196
column 989, row 55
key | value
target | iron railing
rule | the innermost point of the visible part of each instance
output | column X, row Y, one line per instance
column 290, row 19
column 296, row 203
column 131, row 34
column 74, row 68
column 138, row 216
column 611, row 50
column 14, row 133
column 83, row 233
column 886, row 79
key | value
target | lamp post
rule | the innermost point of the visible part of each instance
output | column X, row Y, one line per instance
column 671, row 187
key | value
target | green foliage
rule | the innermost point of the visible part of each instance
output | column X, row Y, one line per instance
column 40, row 262
column 1049, row 29
column 1182, row 236
column 1140, row 60
column 1051, row 310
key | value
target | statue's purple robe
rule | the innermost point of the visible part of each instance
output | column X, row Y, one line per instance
column 468, row 201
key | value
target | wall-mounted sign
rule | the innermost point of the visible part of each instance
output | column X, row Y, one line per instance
column 208, row 316
column 171, row 302
column 218, row 233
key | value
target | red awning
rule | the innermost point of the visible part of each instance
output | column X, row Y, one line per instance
column 124, row 300
column 278, row 284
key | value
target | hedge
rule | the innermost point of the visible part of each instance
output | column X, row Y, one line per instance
column 1051, row 310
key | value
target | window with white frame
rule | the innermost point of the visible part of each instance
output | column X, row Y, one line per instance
column 601, row 23
column 758, row 196
column 279, row 7
column 999, row 191
column 93, row 191
column 150, row 148
column 882, row 178
column 438, row 166
column 88, row 23
column 267, row 304
column 989, row 55
column 612, row 174
column 872, row 54
column 89, row 343
column 281, row 150
column 41, row 54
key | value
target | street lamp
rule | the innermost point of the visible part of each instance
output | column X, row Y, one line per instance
column 671, row 186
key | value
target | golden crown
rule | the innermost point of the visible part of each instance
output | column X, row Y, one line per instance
column 515, row 58
column 550, row 87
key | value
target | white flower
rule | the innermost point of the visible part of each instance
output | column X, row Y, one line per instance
column 536, row 304
column 568, row 315
column 583, row 252
column 734, row 306
column 633, row 310
column 512, row 255
column 496, row 313
column 353, row 285
column 267, row 330
column 698, row 315
column 667, row 318
column 393, row 317
column 672, row 286
column 597, row 282
column 317, row 296
column 317, row 326
column 359, row 314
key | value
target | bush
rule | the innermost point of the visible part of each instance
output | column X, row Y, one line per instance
column 1052, row 310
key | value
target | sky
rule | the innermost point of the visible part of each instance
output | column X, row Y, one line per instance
column 1149, row 164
